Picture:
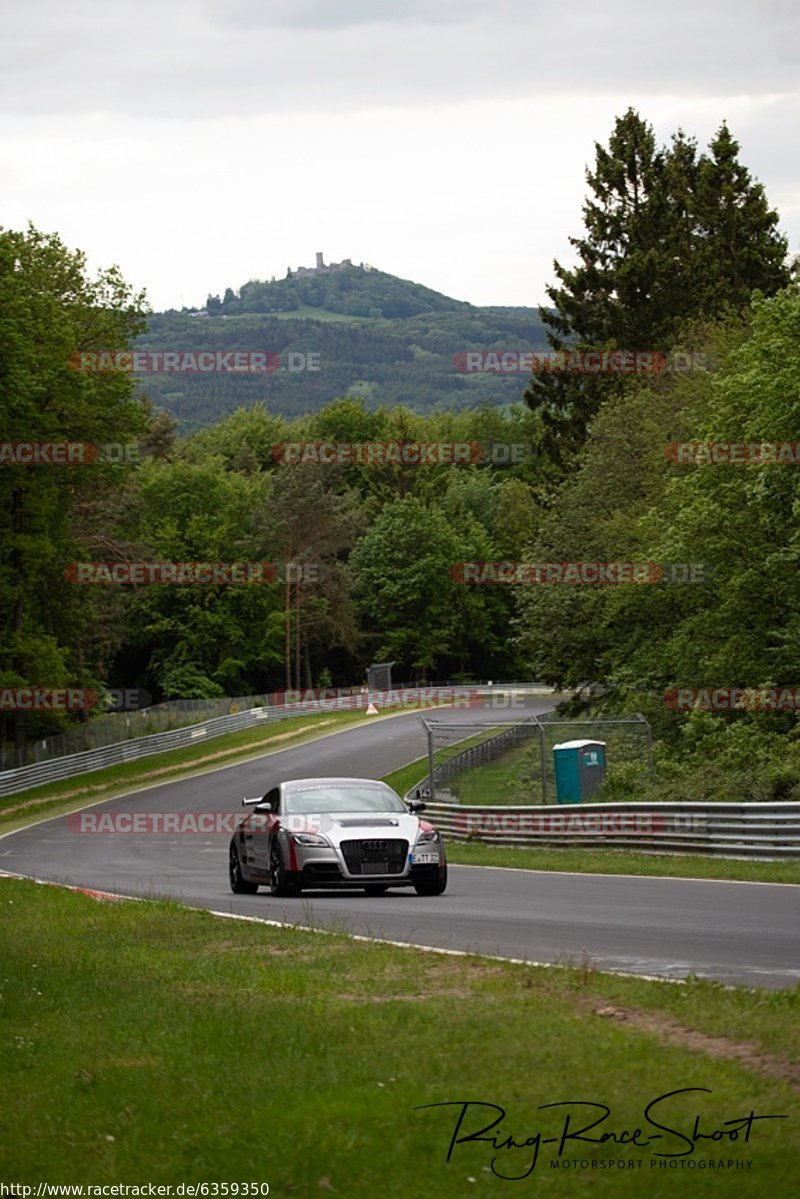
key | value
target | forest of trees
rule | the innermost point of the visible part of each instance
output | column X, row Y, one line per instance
column 400, row 353
column 680, row 251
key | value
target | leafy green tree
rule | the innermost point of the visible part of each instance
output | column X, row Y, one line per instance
column 246, row 440
column 616, row 506
column 742, row 519
column 50, row 309
column 402, row 586
column 734, row 525
column 412, row 608
column 347, row 420
column 516, row 518
column 309, row 528
column 201, row 639
column 595, row 302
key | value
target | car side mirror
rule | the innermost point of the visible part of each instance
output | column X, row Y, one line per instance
column 416, row 805
column 263, row 806
column 248, row 803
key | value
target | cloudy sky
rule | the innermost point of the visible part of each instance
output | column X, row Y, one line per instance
column 201, row 143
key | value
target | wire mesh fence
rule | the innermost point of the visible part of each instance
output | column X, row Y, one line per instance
column 511, row 762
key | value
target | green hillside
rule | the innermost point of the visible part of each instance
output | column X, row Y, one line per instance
column 350, row 290
column 388, row 340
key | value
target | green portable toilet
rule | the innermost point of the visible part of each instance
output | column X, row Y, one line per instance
column 580, row 768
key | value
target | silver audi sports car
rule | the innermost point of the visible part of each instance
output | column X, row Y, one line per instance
column 335, row 832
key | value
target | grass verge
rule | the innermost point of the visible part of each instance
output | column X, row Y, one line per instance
column 622, row 861
column 250, row 1053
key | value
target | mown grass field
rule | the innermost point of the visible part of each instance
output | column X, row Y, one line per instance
column 144, row 1042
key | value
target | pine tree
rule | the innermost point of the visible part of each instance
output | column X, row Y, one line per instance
column 743, row 250
column 669, row 237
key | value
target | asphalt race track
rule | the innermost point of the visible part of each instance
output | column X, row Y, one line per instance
column 742, row 933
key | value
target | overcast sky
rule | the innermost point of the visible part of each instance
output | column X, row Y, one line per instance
column 201, row 143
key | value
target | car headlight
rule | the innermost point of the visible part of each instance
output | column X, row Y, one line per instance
column 430, row 835
column 309, row 839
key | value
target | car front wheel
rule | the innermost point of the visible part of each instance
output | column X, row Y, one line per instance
column 279, row 881
column 432, row 886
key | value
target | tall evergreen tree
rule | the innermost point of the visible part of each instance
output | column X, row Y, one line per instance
column 668, row 237
column 739, row 230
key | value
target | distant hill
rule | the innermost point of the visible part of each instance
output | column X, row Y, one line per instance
column 340, row 288
column 387, row 339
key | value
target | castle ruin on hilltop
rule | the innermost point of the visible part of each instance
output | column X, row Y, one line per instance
column 322, row 268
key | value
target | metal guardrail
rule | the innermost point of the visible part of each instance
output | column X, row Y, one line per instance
column 754, row 830
column 25, row 777
column 13, row 781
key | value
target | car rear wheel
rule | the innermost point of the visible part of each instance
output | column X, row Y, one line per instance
column 279, row 882
column 375, row 889
column 239, row 885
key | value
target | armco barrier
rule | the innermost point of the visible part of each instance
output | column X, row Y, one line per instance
column 13, row 781
column 752, row 830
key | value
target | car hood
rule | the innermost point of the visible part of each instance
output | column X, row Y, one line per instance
column 362, row 826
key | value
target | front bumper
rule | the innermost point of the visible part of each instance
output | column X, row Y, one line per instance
column 340, row 866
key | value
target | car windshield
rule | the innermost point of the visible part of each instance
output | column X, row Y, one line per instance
column 342, row 799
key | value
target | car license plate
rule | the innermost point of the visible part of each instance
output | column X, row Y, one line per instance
column 374, row 867
column 429, row 857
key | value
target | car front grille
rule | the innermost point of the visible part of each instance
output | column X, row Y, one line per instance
column 376, row 856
